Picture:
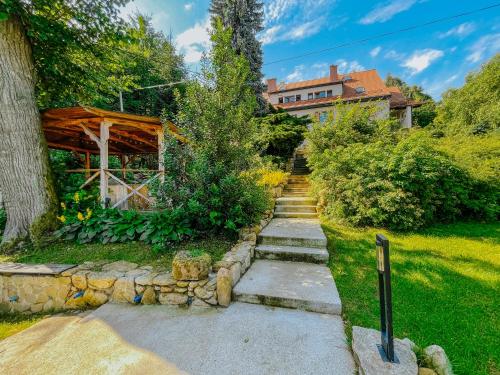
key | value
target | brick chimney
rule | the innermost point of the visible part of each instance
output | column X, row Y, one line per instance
column 334, row 75
column 271, row 85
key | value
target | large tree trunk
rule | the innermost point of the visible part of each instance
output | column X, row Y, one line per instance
column 25, row 176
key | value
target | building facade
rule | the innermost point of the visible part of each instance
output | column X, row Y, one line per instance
column 317, row 97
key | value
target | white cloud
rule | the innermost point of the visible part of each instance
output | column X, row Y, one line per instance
column 274, row 10
column 194, row 41
column 421, row 60
column 485, row 45
column 374, row 52
column 270, row 35
column 345, row 66
column 394, row 55
column 297, row 74
column 385, row 11
column 279, row 34
column 303, row 72
column 290, row 20
column 188, row 6
column 461, row 30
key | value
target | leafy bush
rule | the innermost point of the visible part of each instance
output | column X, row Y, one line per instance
column 115, row 226
column 204, row 177
column 474, row 108
column 366, row 173
column 279, row 134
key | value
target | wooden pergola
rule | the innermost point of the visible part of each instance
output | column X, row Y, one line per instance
column 90, row 130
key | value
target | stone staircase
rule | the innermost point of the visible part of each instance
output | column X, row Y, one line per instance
column 290, row 270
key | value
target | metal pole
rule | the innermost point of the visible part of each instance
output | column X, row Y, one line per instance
column 121, row 101
column 385, row 294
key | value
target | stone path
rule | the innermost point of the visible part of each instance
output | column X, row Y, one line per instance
column 243, row 339
column 291, row 252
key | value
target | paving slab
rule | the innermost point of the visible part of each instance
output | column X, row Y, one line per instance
column 292, row 253
column 243, row 339
column 33, row 269
column 296, row 285
column 293, row 232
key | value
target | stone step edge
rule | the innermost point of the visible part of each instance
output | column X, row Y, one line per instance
column 293, row 253
column 291, row 303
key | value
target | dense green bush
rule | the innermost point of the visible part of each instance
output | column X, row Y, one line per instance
column 474, row 108
column 206, row 177
column 114, row 226
column 368, row 173
column 278, row 135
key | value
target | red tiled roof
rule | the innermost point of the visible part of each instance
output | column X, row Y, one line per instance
column 369, row 80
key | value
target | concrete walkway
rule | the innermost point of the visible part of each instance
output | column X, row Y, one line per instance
column 123, row 339
column 292, row 248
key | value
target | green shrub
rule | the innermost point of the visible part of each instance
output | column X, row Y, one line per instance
column 279, row 134
column 366, row 173
column 115, row 226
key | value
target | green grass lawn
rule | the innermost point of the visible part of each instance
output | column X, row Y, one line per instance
column 137, row 252
column 11, row 324
column 446, row 287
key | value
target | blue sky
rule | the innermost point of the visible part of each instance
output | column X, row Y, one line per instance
column 436, row 57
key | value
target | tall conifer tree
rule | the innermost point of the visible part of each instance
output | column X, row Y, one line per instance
column 245, row 17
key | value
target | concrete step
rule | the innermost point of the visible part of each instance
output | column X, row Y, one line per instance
column 292, row 253
column 289, row 215
column 298, row 195
column 296, row 285
column 296, row 201
column 297, row 185
column 291, row 208
column 293, row 232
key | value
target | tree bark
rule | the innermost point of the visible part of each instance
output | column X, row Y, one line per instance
column 25, row 176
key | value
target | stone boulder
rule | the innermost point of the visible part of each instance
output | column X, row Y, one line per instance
column 365, row 346
column 437, row 357
column 173, row 299
column 224, row 287
column 124, row 290
column 95, row 298
column 188, row 268
column 149, row 296
column 119, row 266
column 102, row 280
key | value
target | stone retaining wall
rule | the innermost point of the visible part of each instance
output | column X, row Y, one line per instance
column 92, row 284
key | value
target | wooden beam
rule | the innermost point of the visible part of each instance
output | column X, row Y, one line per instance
column 103, row 159
column 161, row 150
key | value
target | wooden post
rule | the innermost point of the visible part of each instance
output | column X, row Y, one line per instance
column 161, row 149
column 87, row 165
column 103, row 148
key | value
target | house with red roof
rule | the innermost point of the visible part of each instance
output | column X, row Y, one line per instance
column 316, row 97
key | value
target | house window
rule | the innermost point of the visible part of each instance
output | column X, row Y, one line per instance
column 280, row 99
column 289, row 99
column 320, row 94
column 309, row 96
column 329, row 93
column 360, row 90
column 298, row 98
column 322, row 117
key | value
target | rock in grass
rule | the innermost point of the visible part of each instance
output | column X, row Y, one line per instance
column 365, row 343
column 426, row 371
column 439, row 360
column 190, row 268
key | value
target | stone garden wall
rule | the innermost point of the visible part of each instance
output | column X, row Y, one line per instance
column 91, row 284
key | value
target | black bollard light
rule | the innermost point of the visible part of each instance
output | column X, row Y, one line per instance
column 384, row 285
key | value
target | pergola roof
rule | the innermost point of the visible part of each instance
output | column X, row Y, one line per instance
column 64, row 129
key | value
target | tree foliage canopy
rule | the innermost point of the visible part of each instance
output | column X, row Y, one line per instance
column 245, row 18
column 73, row 46
column 475, row 107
